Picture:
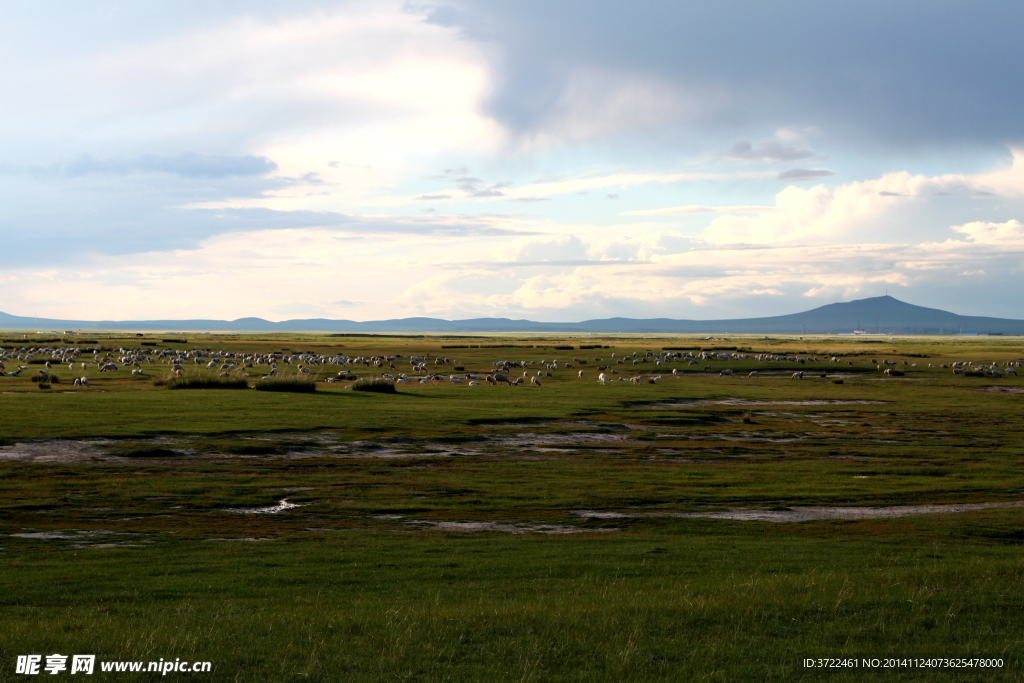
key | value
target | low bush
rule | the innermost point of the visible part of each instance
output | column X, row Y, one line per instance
column 202, row 382
column 381, row 386
column 295, row 383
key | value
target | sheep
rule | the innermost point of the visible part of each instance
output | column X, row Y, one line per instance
column 798, row 375
column 1011, row 371
column 85, row 381
column 535, row 381
column 602, row 378
column 725, row 373
column 752, row 375
column 581, row 374
column 136, row 371
column 472, row 384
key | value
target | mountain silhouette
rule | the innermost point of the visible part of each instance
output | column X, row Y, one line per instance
column 880, row 314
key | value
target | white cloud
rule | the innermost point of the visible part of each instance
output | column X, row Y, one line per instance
column 695, row 209
column 1010, row 233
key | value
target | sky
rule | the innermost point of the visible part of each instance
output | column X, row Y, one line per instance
column 551, row 161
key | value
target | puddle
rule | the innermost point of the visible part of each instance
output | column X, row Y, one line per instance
column 474, row 527
column 63, row 535
column 269, row 510
column 695, row 403
column 813, row 513
column 80, row 538
column 56, row 451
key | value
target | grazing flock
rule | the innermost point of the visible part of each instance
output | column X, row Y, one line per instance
column 636, row 368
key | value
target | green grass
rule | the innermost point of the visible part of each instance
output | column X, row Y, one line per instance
column 362, row 581
column 290, row 383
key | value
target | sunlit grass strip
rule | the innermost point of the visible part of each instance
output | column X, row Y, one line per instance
column 380, row 386
column 294, row 383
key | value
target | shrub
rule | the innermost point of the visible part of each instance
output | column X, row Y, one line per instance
column 295, row 383
column 381, row 386
column 202, row 382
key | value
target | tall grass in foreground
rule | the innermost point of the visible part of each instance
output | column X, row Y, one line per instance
column 366, row 606
column 380, row 386
column 202, row 382
column 294, row 383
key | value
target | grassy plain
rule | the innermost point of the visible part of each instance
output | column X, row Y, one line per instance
column 454, row 532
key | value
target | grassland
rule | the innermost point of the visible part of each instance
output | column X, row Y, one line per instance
column 561, row 532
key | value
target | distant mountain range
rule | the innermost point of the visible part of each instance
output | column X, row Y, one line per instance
column 882, row 314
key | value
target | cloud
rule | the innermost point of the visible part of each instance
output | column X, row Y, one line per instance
column 694, row 209
column 805, row 174
column 187, row 165
column 854, row 210
column 432, row 197
column 768, row 151
column 1010, row 233
column 706, row 71
column 554, row 248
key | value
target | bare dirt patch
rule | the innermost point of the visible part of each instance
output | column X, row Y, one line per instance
column 1003, row 390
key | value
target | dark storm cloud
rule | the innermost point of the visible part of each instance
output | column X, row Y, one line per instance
column 908, row 73
column 805, row 174
column 769, row 151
